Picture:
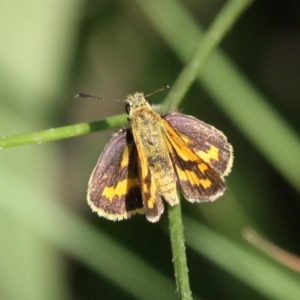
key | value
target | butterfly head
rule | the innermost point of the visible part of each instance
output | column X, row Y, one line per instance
column 137, row 100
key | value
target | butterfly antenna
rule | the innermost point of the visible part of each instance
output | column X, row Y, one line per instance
column 84, row 95
column 164, row 87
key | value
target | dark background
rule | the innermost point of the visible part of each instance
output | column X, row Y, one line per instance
column 51, row 242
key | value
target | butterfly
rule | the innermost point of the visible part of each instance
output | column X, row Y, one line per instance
column 154, row 156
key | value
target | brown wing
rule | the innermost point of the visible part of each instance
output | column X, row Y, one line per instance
column 207, row 142
column 114, row 190
column 199, row 182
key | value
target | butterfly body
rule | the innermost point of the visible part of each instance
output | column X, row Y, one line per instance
column 153, row 152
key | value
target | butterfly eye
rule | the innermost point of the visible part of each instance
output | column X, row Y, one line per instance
column 127, row 109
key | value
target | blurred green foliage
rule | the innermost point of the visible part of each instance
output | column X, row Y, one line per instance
column 52, row 246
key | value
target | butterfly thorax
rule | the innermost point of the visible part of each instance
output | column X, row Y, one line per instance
column 150, row 139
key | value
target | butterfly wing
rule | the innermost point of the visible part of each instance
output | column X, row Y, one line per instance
column 196, row 155
column 207, row 142
column 114, row 190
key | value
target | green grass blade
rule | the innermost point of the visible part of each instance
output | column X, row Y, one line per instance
column 267, row 277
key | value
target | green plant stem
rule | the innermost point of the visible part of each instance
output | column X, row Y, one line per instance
column 178, row 251
column 61, row 132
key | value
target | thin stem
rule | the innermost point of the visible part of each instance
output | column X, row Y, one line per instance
column 178, row 251
column 61, row 132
